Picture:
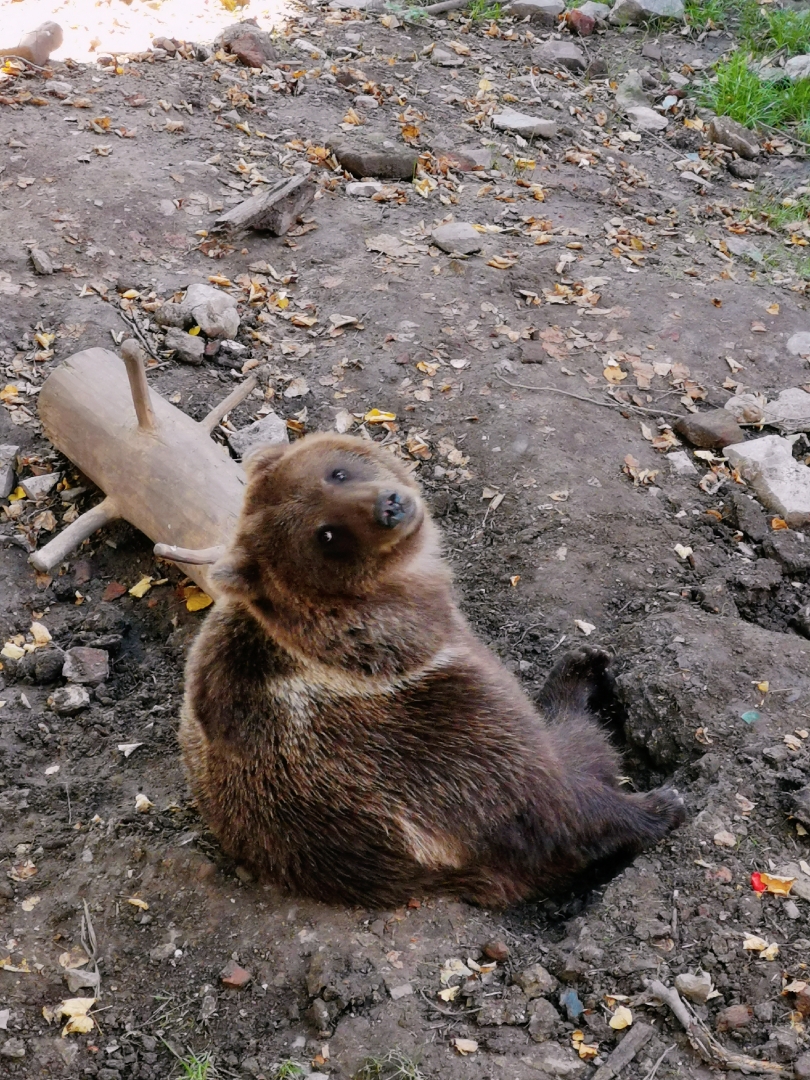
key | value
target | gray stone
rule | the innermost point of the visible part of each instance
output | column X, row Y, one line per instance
column 594, row 10
column 401, row 991
column 269, row 431
column 695, row 987
column 738, row 245
column 780, row 482
column 637, row 12
column 797, row 68
column 521, row 124
column 749, row 516
column 744, row 170
column 363, row 189
column 508, row 1008
column 801, row 884
column 558, row 1060
column 190, row 349
column 545, row 12
column 366, row 101
column 799, row 344
column 37, row 487
column 41, row 262
column 162, row 952
column 253, row 46
column 87, row 666
column 8, row 463
column 544, row 1020
column 710, row 430
column 790, row 549
column 13, row 1048
column 746, row 408
column 386, row 161
column 676, row 80
column 42, row 666
column 58, row 88
column 68, row 700
column 651, row 50
column 630, row 91
column 759, row 576
column 457, row 236
column 214, row 311
column 536, row 982
column 789, row 412
column 681, row 464
column 728, row 132
column 559, row 55
column 791, row 910
column 801, row 1067
column 646, row 119
column 446, row 58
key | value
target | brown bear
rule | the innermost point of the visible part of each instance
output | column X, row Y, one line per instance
column 347, row 736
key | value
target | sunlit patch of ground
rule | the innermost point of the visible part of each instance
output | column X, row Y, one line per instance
column 94, row 27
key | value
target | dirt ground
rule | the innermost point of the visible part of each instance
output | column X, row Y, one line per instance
column 633, row 299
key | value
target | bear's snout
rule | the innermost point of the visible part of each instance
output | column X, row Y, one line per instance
column 389, row 509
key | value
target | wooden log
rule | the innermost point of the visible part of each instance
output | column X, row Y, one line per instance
column 275, row 210
column 171, row 481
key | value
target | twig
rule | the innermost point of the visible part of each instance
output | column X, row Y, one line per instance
column 90, row 944
column 589, row 400
column 446, row 5
column 70, row 811
column 133, row 325
column 448, row 1012
column 23, row 60
column 654, row 1069
column 702, row 1040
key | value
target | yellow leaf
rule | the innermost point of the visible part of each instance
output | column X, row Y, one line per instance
column 16, row 495
column 779, row 523
column 138, row 903
column 72, row 1007
column 219, row 279
column 304, row 320
column 351, row 117
column 79, row 1025
column 450, row 993
column 12, row 651
column 196, row 599
column 194, row 331
column 465, row 1046
column 763, row 686
column 374, row 416
column 41, row 634
column 752, row 943
column 484, row 84
column 44, row 340
column 142, row 587
column 501, row 262
column 621, row 1019
column 614, row 374
column 779, row 886
column 773, row 309
column 9, row 393
column 131, row 294
column 771, row 952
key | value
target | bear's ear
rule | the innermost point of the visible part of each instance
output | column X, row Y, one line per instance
column 236, row 573
column 265, row 458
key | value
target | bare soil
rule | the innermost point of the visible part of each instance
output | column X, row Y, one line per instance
column 574, row 545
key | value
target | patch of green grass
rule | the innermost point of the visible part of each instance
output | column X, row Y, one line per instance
column 788, row 30
column 288, row 1070
column 479, row 10
column 738, row 91
column 196, row 1068
column 707, row 14
column 391, row 1066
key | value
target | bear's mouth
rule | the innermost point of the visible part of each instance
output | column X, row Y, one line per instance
column 398, row 513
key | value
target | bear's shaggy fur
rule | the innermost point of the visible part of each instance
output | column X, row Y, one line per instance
column 347, row 736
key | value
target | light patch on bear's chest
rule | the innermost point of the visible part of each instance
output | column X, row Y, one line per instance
column 313, row 686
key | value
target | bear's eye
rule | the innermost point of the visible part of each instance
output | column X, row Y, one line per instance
column 325, row 536
column 340, row 475
column 336, row 542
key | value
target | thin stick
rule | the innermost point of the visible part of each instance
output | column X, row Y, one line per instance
column 133, row 325
column 446, row 5
column 69, row 539
column 590, row 401
column 233, row 399
column 132, row 355
column 654, row 1069
column 192, row 556
column 448, row 1012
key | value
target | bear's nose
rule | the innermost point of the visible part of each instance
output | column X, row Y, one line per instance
column 388, row 509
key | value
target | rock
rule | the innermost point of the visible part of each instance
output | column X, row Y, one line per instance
column 744, row 170
column 253, row 47
column 363, row 189
column 68, row 700
column 637, row 12
column 725, row 839
column 536, row 982
column 710, row 430
column 544, row 1020
column 746, row 408
column 780, row 483
column 234, row 976
column 738, row 245
column 728, row 132
column 760, row 575
column 508, row 1008
column 681, row 464
column 646, row 119
column 734, row 1018
column 269, row 431
column 446, row 58
column 557, row 1060
column 169, row 45
column 532, row 352
column 559, row 55
column 190, row 349
column 651, row 50
column 798, row 67
column 776, row 756
column 695, row 987
column 630, row 91
column 366, row 101
column 545, row 12
column 799, row 344
column 13, row 1048
column 521, row 124
column 41, row 261
column 42, row 666
column 596, row 11
column 8, row 464
column 457, row 237
column 801, row 1067
column 401, row 991
column 162, row 952
column 676, row 80
column 579, row 23
column 37, row 487
column 214, row 311
column 801, row 884
column 319, row 1018
column 749, row 516
column 597, row 69
column 790, row 549
column 86, row 666
column 790, row 412
column 386, row 161
column 791, row 910
column 59, row 88
column 496, row 950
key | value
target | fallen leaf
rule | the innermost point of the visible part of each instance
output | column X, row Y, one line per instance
column 682, row 551
column 621, row 1019
column 138, row 903
column 142, row 587
column 143, row 804
column 586, row 627
column 128, row 748
column 465, row 1046
column 22, row 871
column 196, row 599
column 375, row 416
column 30, row 903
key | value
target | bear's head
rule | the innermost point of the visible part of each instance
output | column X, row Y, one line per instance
column 328, row 515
